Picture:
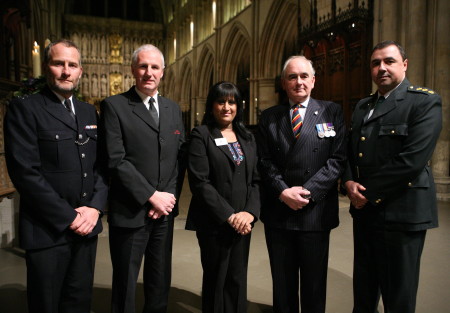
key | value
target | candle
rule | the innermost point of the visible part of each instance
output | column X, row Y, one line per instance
column 36, row 60
column 47, row 42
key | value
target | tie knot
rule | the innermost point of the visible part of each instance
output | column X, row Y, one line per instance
column 152, row 100
column 68, row 105
column 297, row 106
column 381, row 99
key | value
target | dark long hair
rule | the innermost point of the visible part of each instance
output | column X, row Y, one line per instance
column 222, row 90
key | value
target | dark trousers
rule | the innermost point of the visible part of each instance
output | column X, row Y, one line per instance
column 59, row 279
column 127, row 247
column 224, row 258
column 386, row 262
column 293, row 254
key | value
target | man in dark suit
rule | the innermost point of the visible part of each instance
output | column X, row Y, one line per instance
column 302, row 155
column 390, row 183
column 51, row 153
column 144, row 133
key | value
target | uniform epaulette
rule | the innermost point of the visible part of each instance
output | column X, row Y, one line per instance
column 421, row 90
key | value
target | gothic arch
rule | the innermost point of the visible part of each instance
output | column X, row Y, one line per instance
column 236, row 50
column 205, row 70
column 280, row 30
column 186, row 83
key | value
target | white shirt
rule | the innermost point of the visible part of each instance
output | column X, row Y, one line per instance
column 146, row 100
column 62, row 99
column 301, row 110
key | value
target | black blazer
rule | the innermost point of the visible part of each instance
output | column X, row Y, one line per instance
column 389, row 155
column 310, row 161
column 210, row 172
column 142, row 158
column 52, row 162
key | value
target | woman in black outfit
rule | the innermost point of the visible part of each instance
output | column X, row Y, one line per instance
column 225, row 199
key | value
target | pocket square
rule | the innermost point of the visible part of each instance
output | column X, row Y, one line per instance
column 176, row 132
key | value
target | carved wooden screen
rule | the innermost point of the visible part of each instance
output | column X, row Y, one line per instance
column 340, row 50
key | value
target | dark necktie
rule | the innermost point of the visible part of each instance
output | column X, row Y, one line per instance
column 373, row 106
column 297, row 121
column 152, row 110
column 68, row 106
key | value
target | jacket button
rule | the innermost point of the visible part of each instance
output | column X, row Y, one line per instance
column 360, row 155
column 57, row 137
column 84, row 175
column 80, row 136
column 377, row 201
column 410, row 184
column 84, row 194
column 83, row 155
column 363, row 138
column 392, row 131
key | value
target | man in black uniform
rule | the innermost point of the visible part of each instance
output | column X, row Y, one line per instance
column 390, row 183
column 51, row 154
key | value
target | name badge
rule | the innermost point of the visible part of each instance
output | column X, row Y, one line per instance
column 221, row 141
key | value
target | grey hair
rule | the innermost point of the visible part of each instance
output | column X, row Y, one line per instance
column 283, row 72
column 147, row 47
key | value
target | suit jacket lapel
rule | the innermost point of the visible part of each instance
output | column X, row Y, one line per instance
column 249, row 154
column 140, row 109
column 82, row 115
column 313, row 113
column 56, row 109
column 285, row 123
column 164, row 115
column 388, row 105
column 391, row 102
column 361, row 112
column 215, row 133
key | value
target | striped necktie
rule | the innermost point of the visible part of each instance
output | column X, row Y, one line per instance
column 297, row 121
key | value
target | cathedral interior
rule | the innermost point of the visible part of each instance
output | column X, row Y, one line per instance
column 242, row 41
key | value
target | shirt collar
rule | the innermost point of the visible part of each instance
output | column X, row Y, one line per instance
column 389, row 92
column 146, row 98
column 304, row 104
column 61, row 98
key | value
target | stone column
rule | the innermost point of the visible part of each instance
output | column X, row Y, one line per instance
column 420, row 25
column 266, row 95
column 438, row 78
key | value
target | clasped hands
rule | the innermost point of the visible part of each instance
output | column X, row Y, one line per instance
column 162, row 204
column 241, row 222
column 85, row 221
column 353, row 193
column 295, row 197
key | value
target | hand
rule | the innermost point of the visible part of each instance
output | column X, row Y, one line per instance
column 85, row 221
column 353, row 192
column 293, row 197
column 241, row 222
column 162, row 204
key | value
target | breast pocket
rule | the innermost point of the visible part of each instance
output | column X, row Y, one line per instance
column 56, row 150
column 391, row 137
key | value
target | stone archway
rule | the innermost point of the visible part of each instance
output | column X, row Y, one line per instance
column 236, row 63
column 186, row 94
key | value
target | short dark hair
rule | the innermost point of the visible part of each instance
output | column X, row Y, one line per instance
column 65, row 42
column 221, row 90
column 388, row 43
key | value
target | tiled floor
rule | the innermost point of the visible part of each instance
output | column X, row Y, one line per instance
column 433, row 295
